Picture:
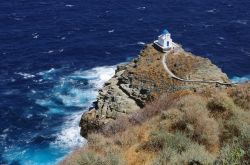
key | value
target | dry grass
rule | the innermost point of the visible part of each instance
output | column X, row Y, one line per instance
column 197, row 123
column 178, row 128
column 241, row 96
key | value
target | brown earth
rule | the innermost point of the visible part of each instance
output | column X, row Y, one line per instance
column 143, row 80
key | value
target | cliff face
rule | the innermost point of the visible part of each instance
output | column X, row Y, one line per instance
column 144, row 80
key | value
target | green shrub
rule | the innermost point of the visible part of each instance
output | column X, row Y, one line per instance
column 221, row 103
column 197, row 123
column 232, row 154
column 94, row 159
column 241, row 96
column 179, row 149
column 195, row 155
column 161, row 139
column 90, row 159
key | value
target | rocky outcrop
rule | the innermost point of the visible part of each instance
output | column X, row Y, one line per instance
column 143, row 80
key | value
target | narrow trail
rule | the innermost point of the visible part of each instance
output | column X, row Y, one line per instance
column 172, row 75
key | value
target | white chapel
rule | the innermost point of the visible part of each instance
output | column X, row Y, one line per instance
column 164, row 41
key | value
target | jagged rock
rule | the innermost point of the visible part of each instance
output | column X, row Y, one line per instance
column 144, row 79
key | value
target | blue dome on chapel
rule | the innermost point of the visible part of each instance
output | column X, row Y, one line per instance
column 165, row 31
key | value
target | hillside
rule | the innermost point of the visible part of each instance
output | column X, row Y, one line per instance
column 142, row 116
column 144, row 80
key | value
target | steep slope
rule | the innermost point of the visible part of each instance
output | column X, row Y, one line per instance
column 144, row 80
column 211, row 126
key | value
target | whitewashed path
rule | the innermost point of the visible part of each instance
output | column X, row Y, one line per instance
column 164, row 63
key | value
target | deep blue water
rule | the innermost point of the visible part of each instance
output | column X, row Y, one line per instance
column 55, row 55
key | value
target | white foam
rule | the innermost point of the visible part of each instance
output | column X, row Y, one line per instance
column 77, row 98
column 140, row 19
column 111, row 31
column 69, row 136
column 221, row 38
column 140, row 43
column 211, row 11
column 50, row 51
column 29, row 116
column 243, row 79
column 141, row 8
column 96, row 76
column 242, row 22
column 25, row 75
column 60, row 50
column 47, row 74
column 35, row 35
column 108, row 53
column 69, row 5
column 245, row 51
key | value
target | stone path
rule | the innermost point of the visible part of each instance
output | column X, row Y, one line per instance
column 172, row 75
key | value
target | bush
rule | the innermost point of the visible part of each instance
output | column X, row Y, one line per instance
column 195, row 155
column 197, row 123
column 94, row 159
column 90, row 159
column 97, row 141
column 221, row 106
column 155, row 108
column 179, row 149
column 161, row 139
column 232, row 154
column 241, row 95
column 115, row 126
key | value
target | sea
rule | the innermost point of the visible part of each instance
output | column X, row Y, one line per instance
column 56, row 55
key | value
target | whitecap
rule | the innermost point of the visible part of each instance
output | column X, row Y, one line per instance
column 140, row 43
column 33, row 91
column 221, row 38
column 12, row 80
column 242, row 22
column 245, row 51
column 211, row 11
column 63, row 38
column 60, row 50
column 35, row 35
column 108, row 53
column 69, row 5
column 25, row 75
column 48, row 74
column 50, row 51
column 11, row 92
column 3, row 136
column 111, row 31
column 218, row 43
column 141, row 8
column 18, row 19
column 140, row 19
column 29, row 116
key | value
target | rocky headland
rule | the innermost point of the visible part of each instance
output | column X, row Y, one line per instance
column 167, row 108
column 144, row 80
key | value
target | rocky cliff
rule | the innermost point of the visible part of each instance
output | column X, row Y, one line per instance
column 144, row 80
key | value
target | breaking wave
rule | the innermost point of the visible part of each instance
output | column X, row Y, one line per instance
column 65, row 102
column 243, row 79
